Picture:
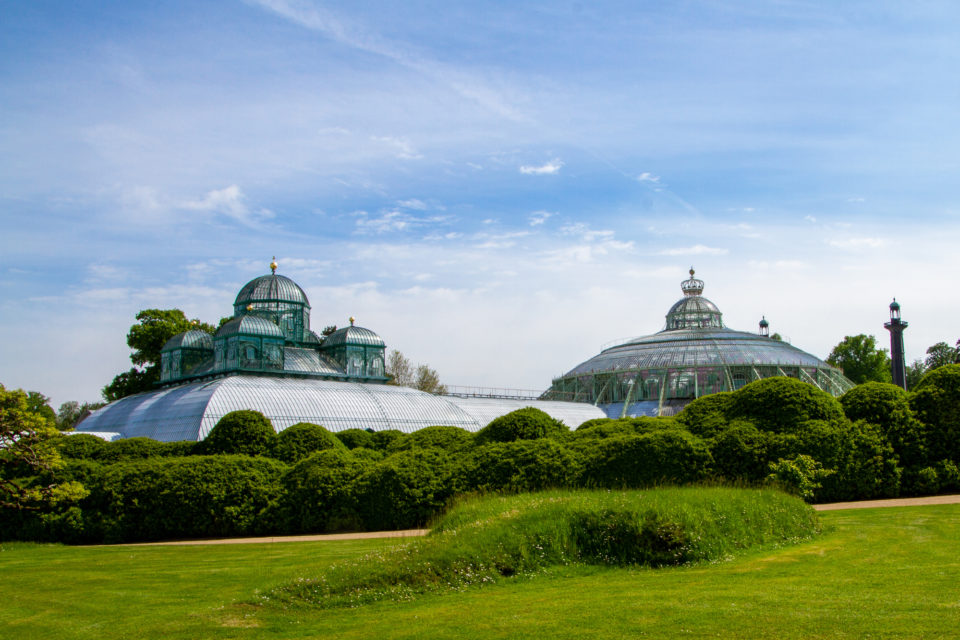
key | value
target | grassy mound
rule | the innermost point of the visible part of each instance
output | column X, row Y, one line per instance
column 485, row 540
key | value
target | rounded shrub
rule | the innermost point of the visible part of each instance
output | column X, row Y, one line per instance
column 708, row 415
column 81, row 446
column 404, row 490
column 606, row 428
column 195, row 496
column 740, row 452
column 317, row 493
column 140, row 448
column 781, row 404
column 888, row 406
column 662, row 457
column 522, row 465
column 936, row 403
column 354, row 438
column 298, row 441
column 449, row 439
column 241, row 432
column 523, row 424
column 387, row 439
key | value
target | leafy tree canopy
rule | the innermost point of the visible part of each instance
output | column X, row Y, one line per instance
column 154, row 327
column 403, row 374
column 27, row 447
column 939, row 355
column 861, row 360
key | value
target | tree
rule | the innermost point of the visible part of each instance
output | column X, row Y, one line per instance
column 428, row 380
column 915, row 373
column 27, row 448
column 399, row 370
column 861, row 360
column 939, row 355
column 154, row 327
column 72, row 412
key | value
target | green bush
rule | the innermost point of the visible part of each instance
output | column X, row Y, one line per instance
column 708, row 415
column 404, row 490
column 607, row 428
column 450, row 439
column 781, row 404
column 866, row 467
column 317, row 494
column 888, row 406
column 81, row 446
column 192, row 497
column 240, row 432
column 662, row 457
column 936, row 403
column 298, row 441
column 522, row 424
column 387, row 439
column 522, row 465
column 354, row 438
column 741, row 452
column 140, row 448
column 593, row 422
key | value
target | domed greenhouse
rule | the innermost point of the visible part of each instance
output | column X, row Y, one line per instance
column 692, row 356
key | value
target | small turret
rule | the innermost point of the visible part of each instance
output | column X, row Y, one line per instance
column 764, row 327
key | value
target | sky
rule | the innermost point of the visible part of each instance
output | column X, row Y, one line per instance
column 498, row 189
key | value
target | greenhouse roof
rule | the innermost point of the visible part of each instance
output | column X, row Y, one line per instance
column 193, row 339
column 272, row 288
column 189, row 412
column 352, row 335
column 250, row 325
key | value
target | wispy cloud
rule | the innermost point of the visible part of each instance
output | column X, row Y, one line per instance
column 229, row 202
column 401, row 147
column 858, row 244
column 695, row 250
column 537, row 218
column 311, row 16
column 391, row 221
column 646, row 176
column 547, row 169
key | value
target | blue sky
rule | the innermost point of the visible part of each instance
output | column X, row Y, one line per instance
column 496, row 188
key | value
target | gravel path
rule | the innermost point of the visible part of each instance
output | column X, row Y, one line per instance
column 412, row 533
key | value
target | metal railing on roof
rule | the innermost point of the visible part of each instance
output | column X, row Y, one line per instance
column 493, row 392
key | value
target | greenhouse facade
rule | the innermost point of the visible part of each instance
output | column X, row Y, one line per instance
column 694, row 355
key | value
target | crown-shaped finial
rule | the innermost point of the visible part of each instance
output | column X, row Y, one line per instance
column 273, row 265
column 352, row 319
column 692, row 286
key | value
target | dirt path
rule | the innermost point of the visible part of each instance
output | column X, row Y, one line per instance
column 412, row 533
column 896, row 502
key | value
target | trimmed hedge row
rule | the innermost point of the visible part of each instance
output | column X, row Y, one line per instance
column 876, row 441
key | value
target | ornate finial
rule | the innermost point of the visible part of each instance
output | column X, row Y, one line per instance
column 352, row 320
column 273, row 265
column 250, row 307
column 693, row 286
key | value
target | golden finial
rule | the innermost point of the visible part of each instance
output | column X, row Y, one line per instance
column 273, row 265
column 250, row 307
column 352, row 320
column 691, row 272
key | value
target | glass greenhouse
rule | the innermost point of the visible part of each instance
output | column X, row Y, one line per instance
column 190, row 411
column 694, row 355
column 267, row 359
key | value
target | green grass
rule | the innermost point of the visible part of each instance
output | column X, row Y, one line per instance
column 879, row 573
column 488, row 540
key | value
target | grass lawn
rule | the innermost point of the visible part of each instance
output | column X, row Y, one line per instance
column 878, row 573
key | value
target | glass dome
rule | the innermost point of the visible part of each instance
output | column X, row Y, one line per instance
column 694, row 355
column 357, row 336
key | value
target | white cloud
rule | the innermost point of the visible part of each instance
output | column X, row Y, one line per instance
column 856, row 199
column 413, row 203
column 695, row 250
column 857, row 244
column 229, row 202
column 810, row 219
column 646, row 176
column 392, row 220
column 585, row 232
column 537, row 218
column 401, row 147
column 547, row 169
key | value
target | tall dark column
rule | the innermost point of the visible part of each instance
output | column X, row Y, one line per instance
column 898, row 367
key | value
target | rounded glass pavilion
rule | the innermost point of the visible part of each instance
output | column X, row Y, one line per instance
column 694, row 355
